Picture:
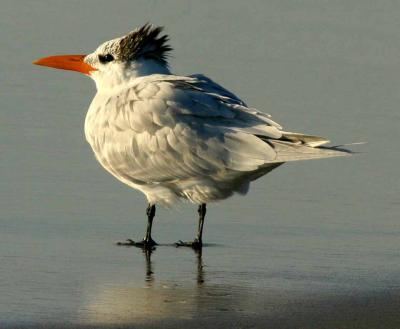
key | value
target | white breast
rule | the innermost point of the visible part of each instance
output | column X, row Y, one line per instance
column 123, row 144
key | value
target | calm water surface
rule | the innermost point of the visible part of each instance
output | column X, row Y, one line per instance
column 314, row 244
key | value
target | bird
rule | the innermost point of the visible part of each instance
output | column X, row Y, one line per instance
column 177, row 137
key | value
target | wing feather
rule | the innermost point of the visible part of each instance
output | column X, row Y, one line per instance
column 179, row 129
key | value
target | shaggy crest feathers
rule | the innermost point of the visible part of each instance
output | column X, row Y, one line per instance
column 145, row 42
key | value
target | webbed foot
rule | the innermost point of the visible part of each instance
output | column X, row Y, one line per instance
column 144, row 244
column 196, row 244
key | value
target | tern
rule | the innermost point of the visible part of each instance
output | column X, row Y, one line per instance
column 176, row 137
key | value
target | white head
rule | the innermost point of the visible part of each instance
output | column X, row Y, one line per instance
column 118, row 61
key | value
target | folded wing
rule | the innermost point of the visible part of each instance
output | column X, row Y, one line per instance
column 169, row 128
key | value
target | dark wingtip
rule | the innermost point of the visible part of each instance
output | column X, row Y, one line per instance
column 343, row 148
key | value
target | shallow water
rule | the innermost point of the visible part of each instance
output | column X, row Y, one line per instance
column 314, row 244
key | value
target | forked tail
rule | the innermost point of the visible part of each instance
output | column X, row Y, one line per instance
column 297, row 147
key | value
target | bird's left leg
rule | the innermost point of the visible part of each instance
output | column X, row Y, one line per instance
column 198, row 241
column 147, row 241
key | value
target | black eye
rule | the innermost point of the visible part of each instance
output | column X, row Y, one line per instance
column 106, row 58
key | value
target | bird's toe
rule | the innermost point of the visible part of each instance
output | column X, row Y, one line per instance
column 196, row 244
column 144, row 244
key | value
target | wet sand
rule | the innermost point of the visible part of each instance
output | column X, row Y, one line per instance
column 206, row 302
column 353, row 310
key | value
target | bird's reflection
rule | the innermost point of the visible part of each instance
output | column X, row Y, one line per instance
column 149, row 266
column 149, row 277
column 200, row 267
column 169, row 296
column 162, row 296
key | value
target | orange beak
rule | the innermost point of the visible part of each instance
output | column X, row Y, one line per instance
column 66, row 62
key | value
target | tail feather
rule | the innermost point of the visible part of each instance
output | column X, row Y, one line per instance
column 308, row 140
column 288, row 151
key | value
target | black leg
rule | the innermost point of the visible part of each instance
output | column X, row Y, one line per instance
column 147, row 242
column 202, row 214
column 151, row 212
column 198, row 242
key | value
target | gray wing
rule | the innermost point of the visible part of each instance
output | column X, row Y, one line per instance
column 210, row 86
column 169, row 128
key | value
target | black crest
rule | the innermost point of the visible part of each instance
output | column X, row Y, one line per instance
column 145, row 42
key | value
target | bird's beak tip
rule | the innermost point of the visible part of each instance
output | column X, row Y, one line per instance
column 66, row 62
column 37, row 62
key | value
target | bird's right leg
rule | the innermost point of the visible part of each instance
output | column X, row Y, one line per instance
column 147, row 241
column 198, row 241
